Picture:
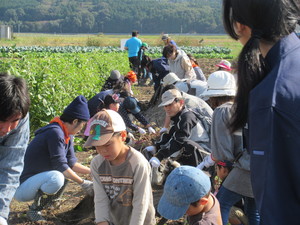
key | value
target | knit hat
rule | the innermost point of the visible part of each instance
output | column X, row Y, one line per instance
column 115, row 75
column 169, row 96
column 170, row 78
column 184, row 185
column 78, row 109
column 165, row 37
column 220, row 83
column 130, row 104
column 224, row 64
column 103, row 125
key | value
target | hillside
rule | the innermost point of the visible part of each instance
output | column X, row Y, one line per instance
column 112, row 16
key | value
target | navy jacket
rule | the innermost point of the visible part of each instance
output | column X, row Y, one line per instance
column 274, row 135
column 48, row 151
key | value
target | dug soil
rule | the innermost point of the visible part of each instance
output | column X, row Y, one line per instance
column 76, row 208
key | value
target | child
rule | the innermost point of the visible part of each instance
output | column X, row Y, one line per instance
column 199, row 74
column 187, row 191
column 114, row 79
column 121, row 175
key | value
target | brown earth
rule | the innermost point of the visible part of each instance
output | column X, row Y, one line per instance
column 74, row 207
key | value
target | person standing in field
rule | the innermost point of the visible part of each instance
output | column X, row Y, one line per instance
column 267, row 101
column 14, row 137
column 133, row 45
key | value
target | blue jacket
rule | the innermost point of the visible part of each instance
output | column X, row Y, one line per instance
column 274, row 135
column 48, row 151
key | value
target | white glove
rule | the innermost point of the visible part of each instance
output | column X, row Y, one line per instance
column 87, row 186
column 151, row 130
column 163, row 130
column 151, row 149
column 207, row 162
column 130, row 135
column 3, row 221
column 154, row 162
column 141, row 130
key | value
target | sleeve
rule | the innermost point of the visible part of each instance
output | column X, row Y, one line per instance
column 139, row 116
column 126, row 44
column 126, row 119
column 71, row 157
column 57, row 150
column 12, row 151
column 101, row 200
column 183, row 131
column 141, row 193
column 222, row 144
column 187, row 67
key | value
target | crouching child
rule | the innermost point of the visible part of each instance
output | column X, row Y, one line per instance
column 187, row 191
column 121, row 175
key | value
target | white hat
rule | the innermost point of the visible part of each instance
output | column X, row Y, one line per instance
column 170, row 78
column 220, row 83
column 169, row 96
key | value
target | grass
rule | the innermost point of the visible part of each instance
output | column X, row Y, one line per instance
column 40, row 39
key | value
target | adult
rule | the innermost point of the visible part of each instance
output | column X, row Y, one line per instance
column 168, row 41
column 14, row 137
column 159, row 68
column 133, row 45
column 183, row 135
column 50, row 160
column 267, row 101
column 179, row 62
column 229, row 146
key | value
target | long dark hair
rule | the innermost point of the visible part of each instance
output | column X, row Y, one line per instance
column 269, row 20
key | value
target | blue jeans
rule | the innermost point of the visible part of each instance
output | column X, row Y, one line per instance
column 48, row 182
column 12, row 151
column 228, row 198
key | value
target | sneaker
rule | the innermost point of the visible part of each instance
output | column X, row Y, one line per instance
column 35, row 215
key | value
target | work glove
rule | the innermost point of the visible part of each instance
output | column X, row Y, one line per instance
column 87, row 187
column 154, row 162
column 151, row 130
column 3, row 221
column 141, row 130
column 131, row 136
column 163, row 130
column 207, row 162
column 151, row 149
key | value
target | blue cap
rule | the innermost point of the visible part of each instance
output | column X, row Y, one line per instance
column 184, row 185
column 130, row 104
column 78, row 109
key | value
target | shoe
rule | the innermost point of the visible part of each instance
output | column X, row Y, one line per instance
column 35, row 215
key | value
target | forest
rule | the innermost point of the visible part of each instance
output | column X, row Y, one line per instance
column 112, row 16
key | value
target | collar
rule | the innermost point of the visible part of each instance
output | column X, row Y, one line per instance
column 63, row 127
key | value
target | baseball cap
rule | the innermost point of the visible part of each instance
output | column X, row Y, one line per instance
column 170, row 78
column 144, row 44
column 111, row 99
column 130, row 103
column 169, row 96
column 220, row 83
column 224, row 64
column 184, row 185
column 103, row 125
column 165, row 37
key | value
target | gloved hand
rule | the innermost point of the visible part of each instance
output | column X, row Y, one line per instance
column 163, row 130
column 141, row 130
column 87, row 187
column 151, row 149
column 151, row 130
column 207, row 162
column 3, row 221
column 130, row 135
column 154, row 162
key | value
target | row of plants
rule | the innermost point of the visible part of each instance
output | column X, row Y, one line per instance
column 156, row 51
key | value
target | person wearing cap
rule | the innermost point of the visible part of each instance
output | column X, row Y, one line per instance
column 50, row 160
column 130, row 106
column 114, row 79
column 193, row 87
column 144, row 60
column 133, row 45
column 167, row 40
column 187, row 191
column 121, row 174
column 14, row 137
column 181, row 140
column 229, row 146
column 179, row 62
column 224, row 65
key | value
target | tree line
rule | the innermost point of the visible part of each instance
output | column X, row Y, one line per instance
column 112, row 16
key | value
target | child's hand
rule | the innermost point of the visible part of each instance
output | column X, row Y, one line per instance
column 151, row 130
column 154, row 162
column 141, row 130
